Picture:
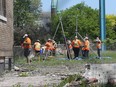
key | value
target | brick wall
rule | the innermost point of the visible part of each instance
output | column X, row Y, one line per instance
column 6, row 31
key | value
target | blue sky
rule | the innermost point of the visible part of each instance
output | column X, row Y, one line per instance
column 63, row 4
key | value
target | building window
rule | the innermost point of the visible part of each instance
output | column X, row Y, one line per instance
column 2, row 8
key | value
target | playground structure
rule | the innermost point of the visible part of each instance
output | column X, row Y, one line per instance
column 54, row 10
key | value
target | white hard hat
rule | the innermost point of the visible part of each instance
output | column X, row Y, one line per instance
column 98, row 41
column 38, row 40
column 25, row 35
column 86, row 38
column 49, row 39
column 53, row 41
column 76, row 37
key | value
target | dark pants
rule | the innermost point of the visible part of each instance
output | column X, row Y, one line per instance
column 26, row 53
column 54, row 52
column 76, row 52
column 86, row 53
column 82, row 53
column 98, row 52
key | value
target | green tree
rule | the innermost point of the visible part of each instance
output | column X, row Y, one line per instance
column 111, row 26
column 110, row 31
column 26, row 12
column 87, row 18
column 26, row 17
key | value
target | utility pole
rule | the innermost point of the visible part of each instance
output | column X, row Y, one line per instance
column 102, row 22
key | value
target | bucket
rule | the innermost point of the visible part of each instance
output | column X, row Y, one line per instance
column 41, row 51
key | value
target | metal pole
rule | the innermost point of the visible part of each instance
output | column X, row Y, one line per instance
column 76, row 26
column 9, row 64
column 102, row 22
column 67, row 48
column 56, row 30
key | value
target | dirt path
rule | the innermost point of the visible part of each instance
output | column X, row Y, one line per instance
column 36, row 81
column 49, row 76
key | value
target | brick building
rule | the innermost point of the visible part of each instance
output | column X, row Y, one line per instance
column 6, row 29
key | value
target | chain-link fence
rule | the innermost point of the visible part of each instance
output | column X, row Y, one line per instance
column 61, row 49
column 19, row 52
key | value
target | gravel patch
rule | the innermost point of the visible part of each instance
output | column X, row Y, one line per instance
column 50, row 75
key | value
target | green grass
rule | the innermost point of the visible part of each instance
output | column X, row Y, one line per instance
column 52, row 61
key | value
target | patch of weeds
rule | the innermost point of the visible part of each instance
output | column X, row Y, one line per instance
column 54, row 85
column 17, row 85
column 19, row 60
column 82, row 82
column 107, row 85
column 31, row 67
column 69, row 79
column 24, row 74
column 45, row 85
column 30, row 86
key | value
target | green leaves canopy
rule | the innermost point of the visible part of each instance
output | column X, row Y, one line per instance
column 26, row 18
column 26, row 12
column 87, row 21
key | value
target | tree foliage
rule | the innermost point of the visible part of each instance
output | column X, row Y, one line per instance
column 26, row 12
column 87, row 22
column 111, row 26
column 26, row 17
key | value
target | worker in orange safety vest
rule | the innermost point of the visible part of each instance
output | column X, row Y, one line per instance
column 54, row 44
column 69, row 50
column 49, row 48
column 86, row 47
column 76, row 44
column 37, row 47
column 98, row 46
column 27, row 47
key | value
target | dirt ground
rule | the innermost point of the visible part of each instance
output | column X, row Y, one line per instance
column 41, row 77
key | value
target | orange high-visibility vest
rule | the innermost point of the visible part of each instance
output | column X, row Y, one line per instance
column 70, row 46
column 98, row 45
column 76, row 43
column 86, row 45
column 37, row 46
column 27, row 43
column 49, row 46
